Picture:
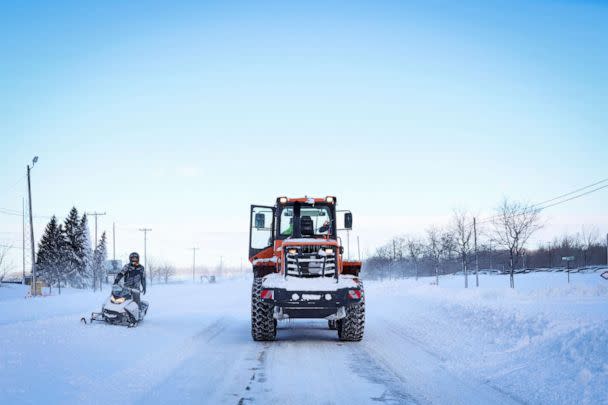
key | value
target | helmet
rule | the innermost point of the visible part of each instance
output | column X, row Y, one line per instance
column 134, row 257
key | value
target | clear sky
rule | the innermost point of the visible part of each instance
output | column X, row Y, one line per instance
column 178, row 116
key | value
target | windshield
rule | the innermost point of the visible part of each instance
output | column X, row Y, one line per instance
column 120, row 291
column 320, row 215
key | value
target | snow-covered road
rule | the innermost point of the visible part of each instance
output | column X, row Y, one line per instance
column 195, row 347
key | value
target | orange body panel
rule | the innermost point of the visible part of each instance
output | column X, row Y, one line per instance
column 263, row 260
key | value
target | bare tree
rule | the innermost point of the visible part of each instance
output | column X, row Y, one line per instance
column 5, row 266
column 514, row 223
column 166, row 271
column 589, row 238
column 434, row 249
column 415, row 249
column 159, row 271
column 448, row 246
column 462, row 230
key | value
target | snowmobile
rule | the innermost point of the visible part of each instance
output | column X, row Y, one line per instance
column 120, row 308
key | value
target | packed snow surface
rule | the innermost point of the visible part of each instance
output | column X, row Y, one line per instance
column 545, row 342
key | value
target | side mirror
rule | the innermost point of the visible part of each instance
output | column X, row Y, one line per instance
column 348, row 220
column 260, row 220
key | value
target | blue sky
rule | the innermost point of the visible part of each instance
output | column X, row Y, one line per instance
column 178, row 116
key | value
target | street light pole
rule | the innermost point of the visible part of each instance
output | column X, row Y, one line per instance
column 23, row 238
column 29, row 193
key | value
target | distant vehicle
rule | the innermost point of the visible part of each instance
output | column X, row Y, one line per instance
column 299, row 269
column 113, row 266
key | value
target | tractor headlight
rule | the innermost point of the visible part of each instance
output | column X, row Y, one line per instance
column 119, row 300
column 329, row 251
column 292, row 251
column 330, row 199
column 282, row 200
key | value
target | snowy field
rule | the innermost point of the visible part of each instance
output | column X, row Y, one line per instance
column 546, row 342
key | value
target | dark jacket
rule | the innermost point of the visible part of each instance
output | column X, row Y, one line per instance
column 133, row 276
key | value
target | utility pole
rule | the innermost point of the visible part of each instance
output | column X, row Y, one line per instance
column 194, row 249
column 29, row 193
column 145, row 231
column 490, row 254
column 114, row 241
column 96, row 214
column 476, row 253
column 23, row 241
column 95, row 275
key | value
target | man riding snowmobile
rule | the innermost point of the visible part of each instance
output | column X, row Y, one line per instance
column 124, row 305
column 134, row 275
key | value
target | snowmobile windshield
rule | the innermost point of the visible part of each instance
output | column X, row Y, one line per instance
column 320, row 216
column 119, row 291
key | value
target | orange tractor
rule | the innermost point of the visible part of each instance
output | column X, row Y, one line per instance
column 299, row 268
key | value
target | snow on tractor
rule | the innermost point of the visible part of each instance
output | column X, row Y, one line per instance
column 299, row 268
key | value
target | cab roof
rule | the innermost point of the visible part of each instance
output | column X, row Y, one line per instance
column 308, row 200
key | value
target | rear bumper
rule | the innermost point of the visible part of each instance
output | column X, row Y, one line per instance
column 311, row 304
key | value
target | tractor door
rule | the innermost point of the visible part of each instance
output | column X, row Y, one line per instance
column 261, row 229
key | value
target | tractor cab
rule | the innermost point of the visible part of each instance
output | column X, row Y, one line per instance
column 295, row 219
column 299, row 267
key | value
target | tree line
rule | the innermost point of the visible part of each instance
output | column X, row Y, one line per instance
column 65, row 256
column 497, row 244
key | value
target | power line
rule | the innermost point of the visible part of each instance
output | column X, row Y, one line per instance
column 575, row 197
column 7, row 211
column 10, row 246
column 10, row 188
column 541, row 206
column 572, row 192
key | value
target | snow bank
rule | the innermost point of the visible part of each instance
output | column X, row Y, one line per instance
column 544, row 342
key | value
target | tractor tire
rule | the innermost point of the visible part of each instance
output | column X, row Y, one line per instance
column 333, row 325
column 263, row 324
column 350, row 329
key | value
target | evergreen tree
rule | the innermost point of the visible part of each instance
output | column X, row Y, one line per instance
column 72, row 250
column 99, row 259
column 49, row 260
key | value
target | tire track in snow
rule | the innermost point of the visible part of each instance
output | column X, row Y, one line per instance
column 215, row 372
column 308, row 364
column 258, row 375
column 366, row 366
column 425, row 370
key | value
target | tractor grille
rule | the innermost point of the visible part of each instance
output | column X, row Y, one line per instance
column 311, row 261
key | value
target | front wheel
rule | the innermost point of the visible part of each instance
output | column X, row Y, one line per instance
column 350, row 329
column 263, row 324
